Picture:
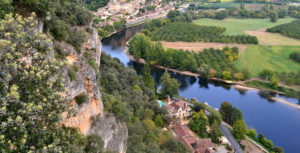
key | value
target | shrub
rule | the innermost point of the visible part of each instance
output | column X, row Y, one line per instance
column 80, row 99
column 59, row 52
column 295, row 56
column 251, row 133
column 72, row 74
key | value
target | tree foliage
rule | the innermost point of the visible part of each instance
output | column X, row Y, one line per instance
column 30, row 98
column 291, row 29
column 198, row 123
column 209, row 62
column 295, row 56
column 183, row 31
column 169, row 85
column 126, row 95
column 239, row 129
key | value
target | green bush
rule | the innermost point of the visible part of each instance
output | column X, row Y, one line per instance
column 75, row 67
column 72, row 74
column 76, row 38
column 59, row 51
column 80, row 99
column 251, row 133
column 295, row 56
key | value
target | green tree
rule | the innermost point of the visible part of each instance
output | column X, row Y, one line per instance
column 236, row 114
column 227, row 75
column 273, row 16
column 225, row 111
column 175, row 146
column 215, row 133
column 251, row 133
column 274, row 82
column 30, row 99
column 169, row 85
column 148, row 79
column 278, row 149
column 94, row 144
column 239, row 129
column 158, row 121
column 198, row 123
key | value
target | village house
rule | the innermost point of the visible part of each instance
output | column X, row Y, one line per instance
column 197, row 146
column 178, row 108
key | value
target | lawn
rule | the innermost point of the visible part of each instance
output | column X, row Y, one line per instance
column 239, row 26
column 258, row 57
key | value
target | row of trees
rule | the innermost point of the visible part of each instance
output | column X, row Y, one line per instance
column 289, row 29
column 209, row 62
column 267, row 11
column 125, row 94
column 288, row 78
column 182, row 31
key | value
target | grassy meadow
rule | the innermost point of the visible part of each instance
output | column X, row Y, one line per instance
column 258, row 57
column 240, row 26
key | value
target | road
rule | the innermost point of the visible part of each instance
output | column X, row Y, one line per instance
column 230, row 138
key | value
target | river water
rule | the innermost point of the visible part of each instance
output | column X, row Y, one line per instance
column 276, row 121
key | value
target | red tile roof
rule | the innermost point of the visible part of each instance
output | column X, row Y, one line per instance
column 199, row 146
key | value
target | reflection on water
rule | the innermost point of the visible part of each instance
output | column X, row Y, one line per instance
column 277, row 121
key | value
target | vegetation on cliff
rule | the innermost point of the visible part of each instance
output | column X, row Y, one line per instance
column 30, row 98
column 59, row 17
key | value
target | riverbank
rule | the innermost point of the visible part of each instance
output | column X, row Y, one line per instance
column 236, row 84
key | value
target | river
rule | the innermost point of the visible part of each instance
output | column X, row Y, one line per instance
column 276, row 121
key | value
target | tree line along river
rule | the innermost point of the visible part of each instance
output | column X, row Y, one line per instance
column 276, row 121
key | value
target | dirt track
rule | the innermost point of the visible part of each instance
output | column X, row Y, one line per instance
column 199, row 46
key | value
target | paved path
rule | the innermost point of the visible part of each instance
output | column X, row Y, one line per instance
column 230, row 138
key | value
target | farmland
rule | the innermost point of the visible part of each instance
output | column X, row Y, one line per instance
column 276, row 58
column 240, row 26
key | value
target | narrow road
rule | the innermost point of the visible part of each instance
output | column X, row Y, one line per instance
column 230, row 138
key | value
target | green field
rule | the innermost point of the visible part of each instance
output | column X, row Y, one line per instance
column 239, row 26
column 257, row 57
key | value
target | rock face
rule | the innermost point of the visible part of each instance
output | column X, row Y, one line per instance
column 113, row 132
column 85, row 83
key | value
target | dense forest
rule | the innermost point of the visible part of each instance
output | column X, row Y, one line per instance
column 289, row 29
column 182, row 31
column 125, row 94
column 209, row 62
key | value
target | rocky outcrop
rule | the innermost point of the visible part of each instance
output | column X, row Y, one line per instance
column 113, row 132
column 85, row 83
column 90, row 117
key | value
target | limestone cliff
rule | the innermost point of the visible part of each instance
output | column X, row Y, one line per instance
column 86, row 83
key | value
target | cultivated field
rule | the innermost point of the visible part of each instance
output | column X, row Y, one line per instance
column 199, row 46
column 240, row 26
column 258, row 57
column 274, row 39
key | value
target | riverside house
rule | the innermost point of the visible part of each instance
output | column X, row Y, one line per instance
column 178, row 108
